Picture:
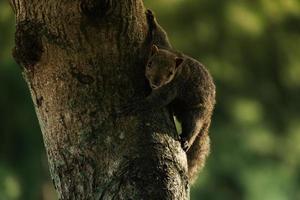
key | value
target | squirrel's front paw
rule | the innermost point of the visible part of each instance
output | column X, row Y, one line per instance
column 184, row 144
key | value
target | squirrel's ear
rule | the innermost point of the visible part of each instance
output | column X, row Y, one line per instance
column 154, row 50
column 178, row 61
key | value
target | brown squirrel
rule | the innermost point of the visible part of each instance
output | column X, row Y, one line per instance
column 186, row 87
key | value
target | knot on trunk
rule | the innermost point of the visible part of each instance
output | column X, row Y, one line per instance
column 28, row 44
column 95, row 9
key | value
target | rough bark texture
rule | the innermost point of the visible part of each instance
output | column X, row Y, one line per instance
column 82, row 59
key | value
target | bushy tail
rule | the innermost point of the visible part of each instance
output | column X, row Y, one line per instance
column 198, row 153
column 158, row 35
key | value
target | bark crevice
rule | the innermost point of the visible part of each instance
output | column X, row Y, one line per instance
column 97, row 9
column 29, row 47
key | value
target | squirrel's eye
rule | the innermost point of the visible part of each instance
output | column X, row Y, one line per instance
column 170, row 73
column 149, row 64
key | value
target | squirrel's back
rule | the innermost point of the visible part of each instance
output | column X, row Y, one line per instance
column 197, row 86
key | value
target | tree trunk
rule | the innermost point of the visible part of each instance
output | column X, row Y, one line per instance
column 83, row 59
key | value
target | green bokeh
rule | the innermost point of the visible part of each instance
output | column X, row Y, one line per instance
column 252, row 49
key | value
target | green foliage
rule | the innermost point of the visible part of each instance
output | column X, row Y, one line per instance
column 252, row 49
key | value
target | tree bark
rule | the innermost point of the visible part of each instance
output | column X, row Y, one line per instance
column 82, row 59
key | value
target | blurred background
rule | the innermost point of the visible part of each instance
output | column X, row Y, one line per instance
column 252, row 49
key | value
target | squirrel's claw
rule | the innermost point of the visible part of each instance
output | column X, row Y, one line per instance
column 184, row 144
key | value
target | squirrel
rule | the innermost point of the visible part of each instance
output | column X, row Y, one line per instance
column 185, row 86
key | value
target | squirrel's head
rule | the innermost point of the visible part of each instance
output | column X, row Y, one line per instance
column 162, row 66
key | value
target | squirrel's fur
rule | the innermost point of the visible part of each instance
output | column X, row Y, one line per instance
column 187, row 87
column 184, row 86
column 158, row 35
